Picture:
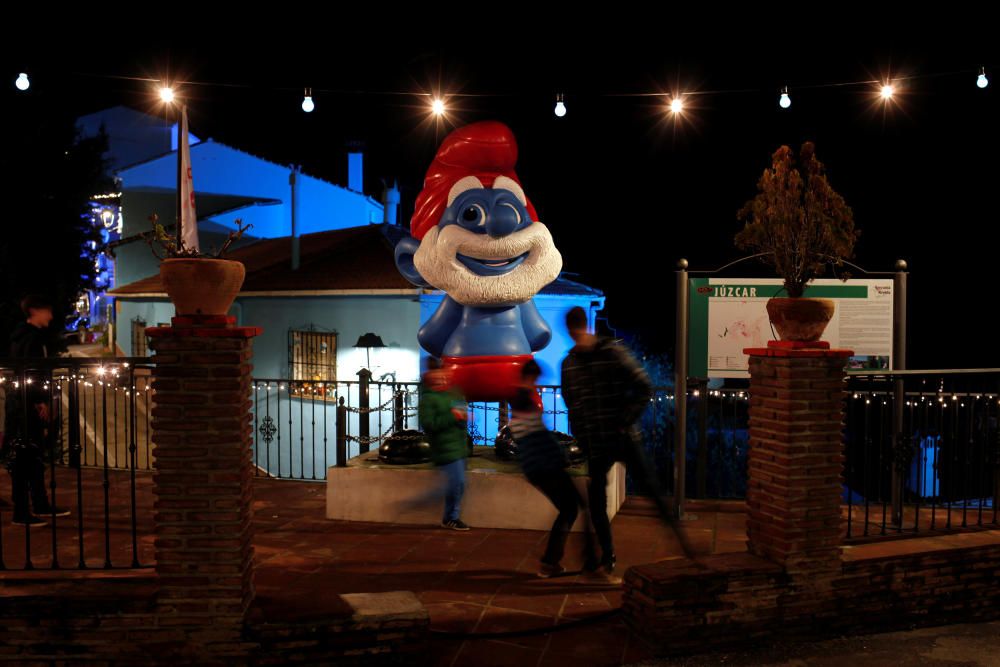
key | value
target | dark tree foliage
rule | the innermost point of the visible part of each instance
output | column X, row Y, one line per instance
column 797, row 222
column 48, row 245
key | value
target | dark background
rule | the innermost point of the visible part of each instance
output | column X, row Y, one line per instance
column 625, row 191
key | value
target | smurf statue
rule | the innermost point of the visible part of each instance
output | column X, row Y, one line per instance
column 477, row 238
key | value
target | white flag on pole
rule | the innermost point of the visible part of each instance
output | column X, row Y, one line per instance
column 187, row 218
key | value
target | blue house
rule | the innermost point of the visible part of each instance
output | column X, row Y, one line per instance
column 230, row 184
column 320, row 274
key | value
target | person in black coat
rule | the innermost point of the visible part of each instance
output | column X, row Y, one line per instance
column 606, row 391
column 28, row 419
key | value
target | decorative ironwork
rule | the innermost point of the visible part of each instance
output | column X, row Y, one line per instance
column 267, row 429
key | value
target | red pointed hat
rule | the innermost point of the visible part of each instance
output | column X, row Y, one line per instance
column 485, row 150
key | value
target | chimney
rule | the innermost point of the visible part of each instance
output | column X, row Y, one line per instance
column 355, row 167
column 293, row 184
column 390, row 203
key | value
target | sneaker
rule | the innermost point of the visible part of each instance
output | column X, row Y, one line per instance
column 604, row 571
column 547, row 570
column 53, row 511
column 455, row 524
column 31, row 522
column 608, row 564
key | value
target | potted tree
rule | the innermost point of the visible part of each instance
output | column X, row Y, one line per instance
column 198, row 284
column 799, row 225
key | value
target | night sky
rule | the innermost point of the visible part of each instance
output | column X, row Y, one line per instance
column 625, row 191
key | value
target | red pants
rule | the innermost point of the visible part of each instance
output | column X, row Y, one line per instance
column 486, row 378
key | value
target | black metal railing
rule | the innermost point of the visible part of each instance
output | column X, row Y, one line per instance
column 922, row 451
column 74, row 437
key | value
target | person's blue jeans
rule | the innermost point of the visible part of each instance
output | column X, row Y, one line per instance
column 454, row 473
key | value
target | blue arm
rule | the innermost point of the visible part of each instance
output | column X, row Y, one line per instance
column 438, row 329
column 536, row 329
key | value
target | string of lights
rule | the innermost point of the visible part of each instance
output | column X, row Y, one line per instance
column 437, row 103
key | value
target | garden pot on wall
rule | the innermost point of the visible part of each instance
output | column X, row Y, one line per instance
column 800, row 320
column 202, row 286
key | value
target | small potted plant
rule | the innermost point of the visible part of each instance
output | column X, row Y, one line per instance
column 801, row 226
column 197, row 284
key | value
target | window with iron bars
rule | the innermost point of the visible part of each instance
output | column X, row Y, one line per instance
column 312, row 355
column 140, row 348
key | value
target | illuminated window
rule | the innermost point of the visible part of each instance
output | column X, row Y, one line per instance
column 312, row 355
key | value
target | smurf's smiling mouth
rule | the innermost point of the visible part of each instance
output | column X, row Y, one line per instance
column 491, row 267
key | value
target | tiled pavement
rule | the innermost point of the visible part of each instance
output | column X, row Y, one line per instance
column 480, row 582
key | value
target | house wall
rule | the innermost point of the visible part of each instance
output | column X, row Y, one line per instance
column 394, row 318
column 296, row 436
column 151, row 311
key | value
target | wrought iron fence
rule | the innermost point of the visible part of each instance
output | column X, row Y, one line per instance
column 922, row 451
column 922, row 448
column 75, row 433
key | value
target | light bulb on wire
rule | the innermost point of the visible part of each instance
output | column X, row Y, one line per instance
column 676, row 105
column 22, row 83
column 167, row 94
column 437, row 106
column 784, row 101
column 560, row 109
column 981, row 81
column 888, row 90
column 307, row 101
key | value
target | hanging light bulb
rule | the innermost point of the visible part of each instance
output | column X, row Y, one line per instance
column 785, row 101
column 560, row 106
column 888, row 90
column 676, row 105
column 22, row 82
column 307, row 102
column 982, row 81
column 437, row 106
column 167, row 94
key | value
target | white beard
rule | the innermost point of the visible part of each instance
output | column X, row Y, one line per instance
column 436, row 261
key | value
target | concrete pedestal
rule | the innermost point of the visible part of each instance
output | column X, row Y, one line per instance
column 495, row 497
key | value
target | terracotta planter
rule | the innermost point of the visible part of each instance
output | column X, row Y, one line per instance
column 202, row 286
column 801, row 320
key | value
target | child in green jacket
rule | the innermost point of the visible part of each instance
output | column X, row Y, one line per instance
column 443, row 415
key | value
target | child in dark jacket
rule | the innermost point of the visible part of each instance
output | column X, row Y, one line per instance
column 543, row 461
column 443, row 418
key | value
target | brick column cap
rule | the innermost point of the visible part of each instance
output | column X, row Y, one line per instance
column 798, row 350
column 203, row 326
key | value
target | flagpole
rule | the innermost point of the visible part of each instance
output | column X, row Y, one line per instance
column 181, row 127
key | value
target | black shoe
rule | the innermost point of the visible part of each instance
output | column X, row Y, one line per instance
column 605, row 572
column 547, row 570
column 31, row 522
column 52, row 511
column 590, row 564
column 455, row 524
column 608, row 564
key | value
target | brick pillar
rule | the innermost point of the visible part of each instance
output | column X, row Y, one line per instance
column 796, row 460
column 201, row 430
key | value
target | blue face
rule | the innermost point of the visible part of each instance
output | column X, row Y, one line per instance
column 495, row 212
